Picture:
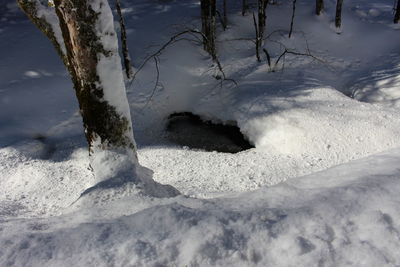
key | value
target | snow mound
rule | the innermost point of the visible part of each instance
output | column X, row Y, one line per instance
column 342, row 216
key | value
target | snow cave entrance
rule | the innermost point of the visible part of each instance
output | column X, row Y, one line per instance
column 190, row 130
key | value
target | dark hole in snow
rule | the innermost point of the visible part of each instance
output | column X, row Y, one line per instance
column 190, row 130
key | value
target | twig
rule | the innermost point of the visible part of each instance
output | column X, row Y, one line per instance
column 286, row 51
column 292, row 20
column 257, row 38
column 163, row 47
column 221, row 20
column 268, row 57
column 172, row 40
column 156, row 83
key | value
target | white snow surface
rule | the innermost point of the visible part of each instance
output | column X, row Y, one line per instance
column 320, row 188
column 339, row 217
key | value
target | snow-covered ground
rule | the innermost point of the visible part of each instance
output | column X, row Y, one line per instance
column 345, row 216
column 320, row 188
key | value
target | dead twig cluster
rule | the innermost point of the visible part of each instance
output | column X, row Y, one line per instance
column 197, row 35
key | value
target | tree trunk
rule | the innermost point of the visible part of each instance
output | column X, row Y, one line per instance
column 319, row 7
column 397, row 14
column 244, row 7
column 96, row 72
column 89, row 49
column 125, row 51
column 225, row 14
column 262, row 6
column 208, row 23
column 205, row 27
column 213, row 27
column 338, row 17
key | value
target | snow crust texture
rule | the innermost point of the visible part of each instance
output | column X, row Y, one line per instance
column 339, row 217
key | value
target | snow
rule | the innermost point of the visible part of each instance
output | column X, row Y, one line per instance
column 341, row 216
column 32, row 74
column 109, row 68
column 321, row 187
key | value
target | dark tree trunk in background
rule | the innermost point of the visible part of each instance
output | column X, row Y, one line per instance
column 225, row 14
column 338, row 17
column 397, row 14
column 319, row 7
column 125, row 51
column 213, row 28
column 260, row 26
column 204, row 7
column 262, row 6
column 244, row 7
column 208, row 25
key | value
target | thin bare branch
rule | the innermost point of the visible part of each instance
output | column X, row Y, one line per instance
column 292, row 20
column 176, row 38
column 156, row 83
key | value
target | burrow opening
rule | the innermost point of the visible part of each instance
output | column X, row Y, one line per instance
column 192, row 131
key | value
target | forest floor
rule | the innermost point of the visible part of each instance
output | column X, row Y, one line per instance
column 321, row 187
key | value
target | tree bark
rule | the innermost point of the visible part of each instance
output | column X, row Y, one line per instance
column 225, row 14
column 213, row 27
column 208, row 23
column 205, row 7
column 319, row 7
column 92, row 52
column 397, row 14
column 244, row 7
column 260, row 27
column 262, row 6
column 82, row 31
column 338, row 17
column 125, row 50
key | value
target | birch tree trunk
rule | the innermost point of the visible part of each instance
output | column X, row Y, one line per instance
column 82, row 31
